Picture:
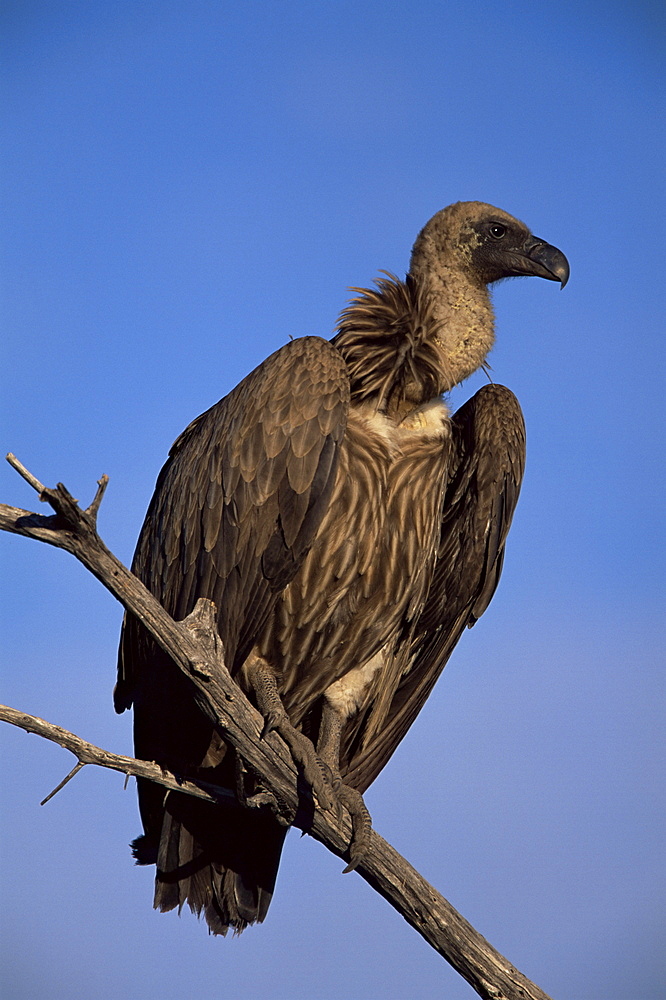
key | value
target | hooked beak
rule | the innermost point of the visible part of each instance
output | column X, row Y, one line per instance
column 544, row 261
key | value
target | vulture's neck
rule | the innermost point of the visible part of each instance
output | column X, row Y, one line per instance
column 406, row 342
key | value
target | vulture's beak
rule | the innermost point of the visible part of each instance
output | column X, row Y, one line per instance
column 545, row 261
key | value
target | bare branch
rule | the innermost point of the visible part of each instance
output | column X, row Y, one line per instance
column 93, row 509
column 88, row 753
column 22, row 471
column 61, row 784
column 196, row 648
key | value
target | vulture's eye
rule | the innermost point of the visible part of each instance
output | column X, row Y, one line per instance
column 497, row 231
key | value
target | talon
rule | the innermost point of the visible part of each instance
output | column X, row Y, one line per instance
column 361, row 825
column 272, row 722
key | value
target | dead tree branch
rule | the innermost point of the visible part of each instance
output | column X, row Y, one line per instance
column 194, row 645
column 88, row 753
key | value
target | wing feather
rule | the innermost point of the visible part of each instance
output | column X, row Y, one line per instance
column 239, row 501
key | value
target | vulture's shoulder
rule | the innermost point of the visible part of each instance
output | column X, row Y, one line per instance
column 274, row 422
column 305, row 375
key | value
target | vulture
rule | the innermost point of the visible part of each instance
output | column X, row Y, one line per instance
column 348, row 528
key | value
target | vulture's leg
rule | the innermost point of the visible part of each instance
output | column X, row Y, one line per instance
column 328, row 749
column 262, row 681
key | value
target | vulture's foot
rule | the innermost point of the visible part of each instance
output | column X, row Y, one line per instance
column 328, row 748
column 305, row 755
column 270, row 705
column 361, row 820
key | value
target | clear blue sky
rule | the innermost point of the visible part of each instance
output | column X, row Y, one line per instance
column 187, row 185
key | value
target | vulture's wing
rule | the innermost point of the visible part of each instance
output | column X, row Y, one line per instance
column 238, row 503
column 487, row 462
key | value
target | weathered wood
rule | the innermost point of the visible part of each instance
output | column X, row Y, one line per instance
column 194, row 645
column 88, row 753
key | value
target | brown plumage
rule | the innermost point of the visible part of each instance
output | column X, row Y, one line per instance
column 347, row 529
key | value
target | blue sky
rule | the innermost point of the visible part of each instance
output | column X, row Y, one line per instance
column 187, row 185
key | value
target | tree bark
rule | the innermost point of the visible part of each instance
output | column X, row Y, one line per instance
column 195, row 647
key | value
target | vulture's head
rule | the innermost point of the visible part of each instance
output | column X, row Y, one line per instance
column 487, row 244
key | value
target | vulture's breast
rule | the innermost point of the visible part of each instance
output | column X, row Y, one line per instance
column 367, row 573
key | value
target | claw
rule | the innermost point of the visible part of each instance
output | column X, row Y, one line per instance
column 272, row 722
column 361, row 825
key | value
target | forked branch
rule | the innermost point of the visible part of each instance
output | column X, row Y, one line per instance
column 195, row 647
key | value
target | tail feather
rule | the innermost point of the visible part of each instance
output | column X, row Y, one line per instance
column 221, row 862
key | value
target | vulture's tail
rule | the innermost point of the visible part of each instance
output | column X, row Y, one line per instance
column 222, row 868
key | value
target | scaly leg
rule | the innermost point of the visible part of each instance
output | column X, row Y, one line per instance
column 263, row 683
column 328, row 749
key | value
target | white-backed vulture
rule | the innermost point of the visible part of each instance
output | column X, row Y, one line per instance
column 348, row 529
